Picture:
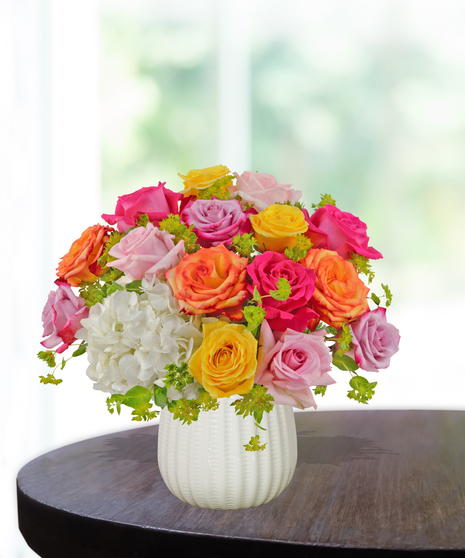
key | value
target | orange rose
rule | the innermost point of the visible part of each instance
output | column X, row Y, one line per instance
column 211, row 280
column 340, row 296
column 226, row 362
column 81, row 262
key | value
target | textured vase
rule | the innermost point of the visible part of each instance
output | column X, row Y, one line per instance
column 205, row 463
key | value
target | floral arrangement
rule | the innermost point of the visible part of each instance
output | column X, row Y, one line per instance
column 228, row 288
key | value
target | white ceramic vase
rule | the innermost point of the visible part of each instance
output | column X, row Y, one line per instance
column 205, row 463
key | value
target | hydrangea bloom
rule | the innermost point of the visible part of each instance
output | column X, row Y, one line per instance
column 131, row 338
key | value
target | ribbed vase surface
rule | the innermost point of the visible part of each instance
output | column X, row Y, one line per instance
column 205, row 463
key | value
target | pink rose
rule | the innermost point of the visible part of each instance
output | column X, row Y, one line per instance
column 333, row 229
column 261, row 190
column 294, row 312
column 61, row 317
column 290, row 362
column 216, row 221
column 146, row 252
column 374, row 340
column 157, row 201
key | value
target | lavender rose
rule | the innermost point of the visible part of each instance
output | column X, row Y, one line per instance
column 332, row 229
column 262, row 190
column 295, row 312
column 61, row 317
column 374, row 340
column 290, row 362
column 216, row 221
column 146, row 252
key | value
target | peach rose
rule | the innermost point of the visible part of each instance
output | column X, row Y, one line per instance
column 276, row 227
column 226, row 362
column 211, row 280
column 340, row 295
column 199, row 179
column 81, row 262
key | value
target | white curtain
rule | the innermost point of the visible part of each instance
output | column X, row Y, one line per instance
column 49, row 178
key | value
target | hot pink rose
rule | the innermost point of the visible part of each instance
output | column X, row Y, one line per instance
column 157, row 201
column 333, row 229
column 290, row 362
column 374, row 340
column 294, row 312
column 216, row 221
column 146, row 252
column 61, row 317
column 261, row 190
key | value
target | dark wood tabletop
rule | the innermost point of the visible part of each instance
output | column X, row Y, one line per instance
column 367, row 483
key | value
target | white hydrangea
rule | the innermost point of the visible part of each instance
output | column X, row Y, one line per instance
column 131, row 338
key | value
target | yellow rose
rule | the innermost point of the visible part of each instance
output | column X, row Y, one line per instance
column 276, row 227
column 226, row 362
column 199, row 179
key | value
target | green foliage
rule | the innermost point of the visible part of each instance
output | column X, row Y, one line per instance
column 142, row 220
column 320, row 390
column 113, row 239
column 326, row 199
column 255, row 403
column 344, row 362
column 50, row 379
column 362, row 390
column 344, row 339
column 300, row 250
column 96, row 292
column 173, row 225
column 283, row 290
column 298, row 204
column 362, row 265
column 81, row 350
column 375, row 299
column 256, row 295
column 187, row 410
column 134, row 287
column 254, row 316
column 254, row 444
column 48, row 357
column 387, row 294
column 160, row 396
column 246, row 205
column 178, row 376
column 137, row 398
column 218, row 190
column 245, row 244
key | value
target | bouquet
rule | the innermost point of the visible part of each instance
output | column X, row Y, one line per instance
column 228, row 288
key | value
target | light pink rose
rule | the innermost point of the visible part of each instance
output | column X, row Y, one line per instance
column 61, row 317
column 156, row 201
column 262, row 190
column 290, row 362
column 146, row 252
column 216, row 221
column 374, row 340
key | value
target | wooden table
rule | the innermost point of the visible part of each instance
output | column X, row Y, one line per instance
column 367, row 483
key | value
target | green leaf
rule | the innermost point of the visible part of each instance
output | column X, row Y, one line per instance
column 81, row 350
column 362, row 390
column 254, row 444
column 362, row 265
column 255, row 403
column 48, row 357
column 283, row 290
column 326, row 199
column 245, row 244
column 138, row 398
column 256, row 295
column 50, row 379
column 387, row 294
column 63, row 363
column 300, row 250
column 254, row 315
column 375, row 299
column 320, row 390
column 178, row 376
column 142, row 220
column 160, row 397
column 218, row 190
column 345, row 362
column 173, row 225
column 134, row 286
